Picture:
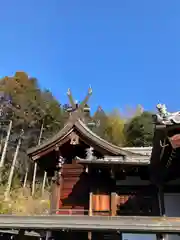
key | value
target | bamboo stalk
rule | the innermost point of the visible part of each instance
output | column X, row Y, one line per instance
column 35, row 164
column 8, row 188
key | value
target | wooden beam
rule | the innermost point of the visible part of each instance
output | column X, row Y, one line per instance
column 161, row 210
column 152, row 224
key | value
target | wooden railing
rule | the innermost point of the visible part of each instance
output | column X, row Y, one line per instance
column 131, row 224
column 71, row 211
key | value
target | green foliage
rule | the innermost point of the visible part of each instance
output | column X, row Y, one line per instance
column 100, row 118
column 4, row 174
column 22, row 203
column 131, row 112
column 139, row 131
column 114, row 128
column 29, row 106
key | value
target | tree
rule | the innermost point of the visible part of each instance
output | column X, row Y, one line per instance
column 131, row 112
column 100, row 118
column 139, row 130
column 53, row 114
column 28, row 107
column 114, row 128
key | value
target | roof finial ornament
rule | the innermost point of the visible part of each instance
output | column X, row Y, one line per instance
column 75, row 105
column 165, row 117
column 90, row 90
column 90, row 153
column 162, row 110
column 71, row 99
column 86, row 99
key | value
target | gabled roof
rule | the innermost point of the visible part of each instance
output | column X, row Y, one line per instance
column 76, row 125
column 86, row 134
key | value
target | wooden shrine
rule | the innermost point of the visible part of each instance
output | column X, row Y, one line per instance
column 93, row 177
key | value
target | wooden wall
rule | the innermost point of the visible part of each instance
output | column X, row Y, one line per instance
column 101, row 186
column 74, row 192
column 95, row 193
column 137, row 200
column 126, row 200
column 101, row 204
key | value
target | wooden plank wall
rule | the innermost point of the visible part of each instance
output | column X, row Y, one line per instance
column 141, row 200
column 101, row 204
column 74, row 191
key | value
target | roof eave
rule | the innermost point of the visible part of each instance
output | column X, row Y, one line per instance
column 116, row 160
column 87, row 133
column 52, row 142
column 116, row 150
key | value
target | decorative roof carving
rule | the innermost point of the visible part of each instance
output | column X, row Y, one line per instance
column 166, row 118
column 78, row 109
column 74, row 138
column 90, row 153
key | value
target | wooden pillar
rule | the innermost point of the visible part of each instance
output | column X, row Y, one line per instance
column 53, row 201
column 90, row 211
column 20, row 235
column 113, row 204
column 117, row 235
column 161, row 211
column 55, row 195
column 53, row 198
column 161, row 200
column 58, row 179
column 59, row 190
column 90, row 204
column 161, row 236
column 120, row 237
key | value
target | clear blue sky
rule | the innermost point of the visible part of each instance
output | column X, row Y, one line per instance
column 128, row 50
